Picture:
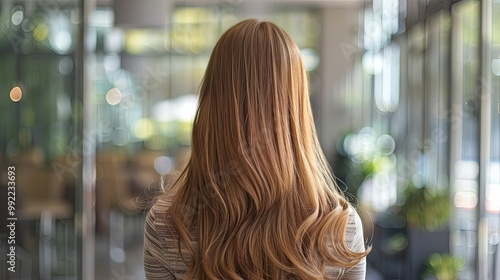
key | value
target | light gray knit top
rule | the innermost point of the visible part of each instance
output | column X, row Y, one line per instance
column 162, row 259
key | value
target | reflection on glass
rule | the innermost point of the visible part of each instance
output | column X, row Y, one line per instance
column 464, row 129
column 39, row 135
column 493, row 187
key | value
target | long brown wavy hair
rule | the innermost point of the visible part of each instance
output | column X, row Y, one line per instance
column 257, row 199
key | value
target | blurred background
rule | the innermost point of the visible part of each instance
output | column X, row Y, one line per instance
column 97, row 100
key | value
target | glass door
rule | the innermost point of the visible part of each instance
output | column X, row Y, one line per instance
column 40, row 140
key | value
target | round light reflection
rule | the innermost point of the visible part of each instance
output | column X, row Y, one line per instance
column 27, row 26
column 61, row 41
column 17, row 17
column 16, row 94
column 118, row 255
column 41, row 32
column 127, row 102
column 143, row 129
column 65, row 65
column 163, row 165
column 386, row 144
column 114, row 96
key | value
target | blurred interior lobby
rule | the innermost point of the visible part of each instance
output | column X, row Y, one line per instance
column 97, row 99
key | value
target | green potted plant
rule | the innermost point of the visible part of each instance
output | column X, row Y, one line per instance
column 426, row 208
column 427, row 213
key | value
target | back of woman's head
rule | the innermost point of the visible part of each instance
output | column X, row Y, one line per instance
column 257, row 192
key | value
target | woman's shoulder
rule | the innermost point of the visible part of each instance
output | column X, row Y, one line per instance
column 354, row 226
column 164, row 238
column 162, row 204
column 156, row 217
column 354, row 240
column 159, row 221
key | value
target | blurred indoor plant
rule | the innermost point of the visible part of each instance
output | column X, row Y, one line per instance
column 443, row 267
column 425, row 208
column 427, row 213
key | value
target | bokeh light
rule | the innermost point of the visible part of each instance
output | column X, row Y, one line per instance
column 163, row 165
column 16, row 94
column 310, row 58
column 113, row 96
column 17, row 17
column 61, row 41
column 65, row 65
column 41, row 32
column 143, row 128
column 386, row 144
